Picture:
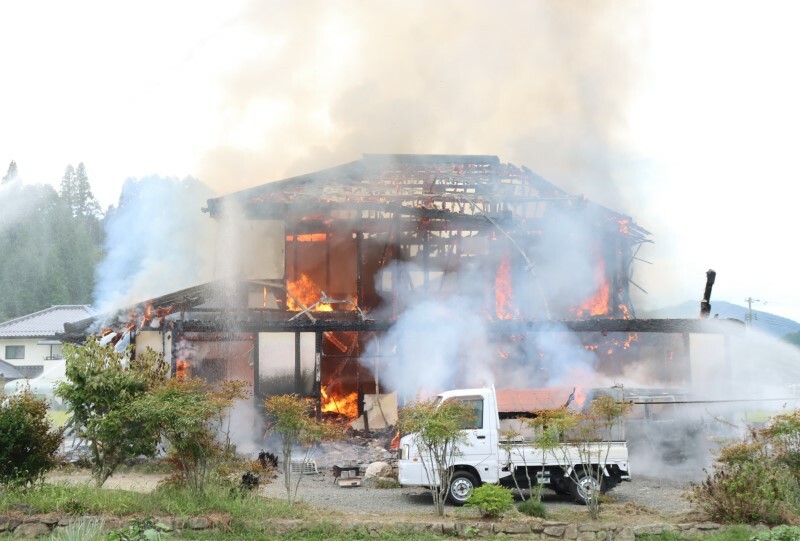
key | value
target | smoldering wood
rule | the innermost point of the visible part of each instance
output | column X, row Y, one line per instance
column 705, row 304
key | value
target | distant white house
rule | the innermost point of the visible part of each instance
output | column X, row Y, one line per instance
column 29, row 343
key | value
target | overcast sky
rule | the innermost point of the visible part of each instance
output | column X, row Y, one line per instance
column 683, row 115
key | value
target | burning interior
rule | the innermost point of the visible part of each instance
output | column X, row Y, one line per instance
column 331, row 264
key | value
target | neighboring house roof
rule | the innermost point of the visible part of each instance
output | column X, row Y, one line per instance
column 44, row 323
column 8, row 371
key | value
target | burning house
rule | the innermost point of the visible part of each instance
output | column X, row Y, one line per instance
column 404, row 272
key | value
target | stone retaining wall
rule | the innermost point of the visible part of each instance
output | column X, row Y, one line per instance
column 33, row 526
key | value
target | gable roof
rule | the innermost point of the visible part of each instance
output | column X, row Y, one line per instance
column 44, row 323
column 438, row 186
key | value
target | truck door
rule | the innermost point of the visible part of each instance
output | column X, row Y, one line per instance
column 479, row 446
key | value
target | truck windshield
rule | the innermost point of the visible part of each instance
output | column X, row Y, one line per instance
column 475, row 404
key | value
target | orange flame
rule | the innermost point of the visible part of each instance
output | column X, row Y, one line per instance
column 346, row 405
column 504, row 298
column 632, row 337
column 395, row 444
column 307, row 292
column 598, row 304
column 182, row 369
column 580, row 396
column 311, row 237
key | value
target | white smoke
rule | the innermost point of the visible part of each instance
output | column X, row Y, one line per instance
column 246, row 427
column 157, row 242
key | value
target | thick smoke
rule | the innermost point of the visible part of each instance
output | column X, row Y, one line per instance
column 443, row 338
column 157, row 242
column 546, row 84
column 736, row 383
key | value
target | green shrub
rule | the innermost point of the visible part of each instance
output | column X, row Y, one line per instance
column 383, row 482
column 100, row 386
column 491, row 500
column 533, row 508
column 779, row 533
column 140, row 529
column 748, row 493
column 28, row 442
column 756, row 480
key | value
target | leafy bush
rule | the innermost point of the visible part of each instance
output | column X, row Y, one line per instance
column 779, row 533
column 533, row 508
column 140, row 529
column 491, row 500
column 28, row 442
column 383, row 482
column 101, row 383
column 757, row 479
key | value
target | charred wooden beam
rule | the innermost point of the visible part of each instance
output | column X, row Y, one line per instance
column 692, row 326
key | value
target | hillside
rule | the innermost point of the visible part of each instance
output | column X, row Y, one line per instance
column 762, row 321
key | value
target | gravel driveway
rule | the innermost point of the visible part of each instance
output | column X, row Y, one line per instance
column 663, row 497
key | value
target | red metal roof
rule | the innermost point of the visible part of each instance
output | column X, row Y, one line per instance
column 526, row 400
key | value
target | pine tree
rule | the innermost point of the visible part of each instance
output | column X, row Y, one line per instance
column 50, row 254
column 11, row 174
column 87, row 204
column 68, row 192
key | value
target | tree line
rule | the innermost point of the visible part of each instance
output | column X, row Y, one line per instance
column 50, row 242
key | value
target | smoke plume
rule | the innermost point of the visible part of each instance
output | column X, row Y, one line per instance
column 546, row 84
column 157, row 242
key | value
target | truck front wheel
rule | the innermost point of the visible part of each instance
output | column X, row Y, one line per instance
column 461, row 486
column 585, row 487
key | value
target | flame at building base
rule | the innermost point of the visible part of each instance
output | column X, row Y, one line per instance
column 346, row 405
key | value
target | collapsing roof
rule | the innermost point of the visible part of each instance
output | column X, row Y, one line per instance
column 416, row 185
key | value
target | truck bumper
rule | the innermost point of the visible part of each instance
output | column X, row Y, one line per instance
column 411, row 473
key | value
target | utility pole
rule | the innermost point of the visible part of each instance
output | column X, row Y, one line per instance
column 750, row 316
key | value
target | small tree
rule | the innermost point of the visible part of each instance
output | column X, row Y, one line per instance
column 11, row 174
column 605, row 412
column 101, row 383
column 187, row 413
column 28, row 442
column 437, row 428
column 565, row 433
column 292, row 417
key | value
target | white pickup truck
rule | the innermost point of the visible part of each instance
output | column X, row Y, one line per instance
column 487, row 458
